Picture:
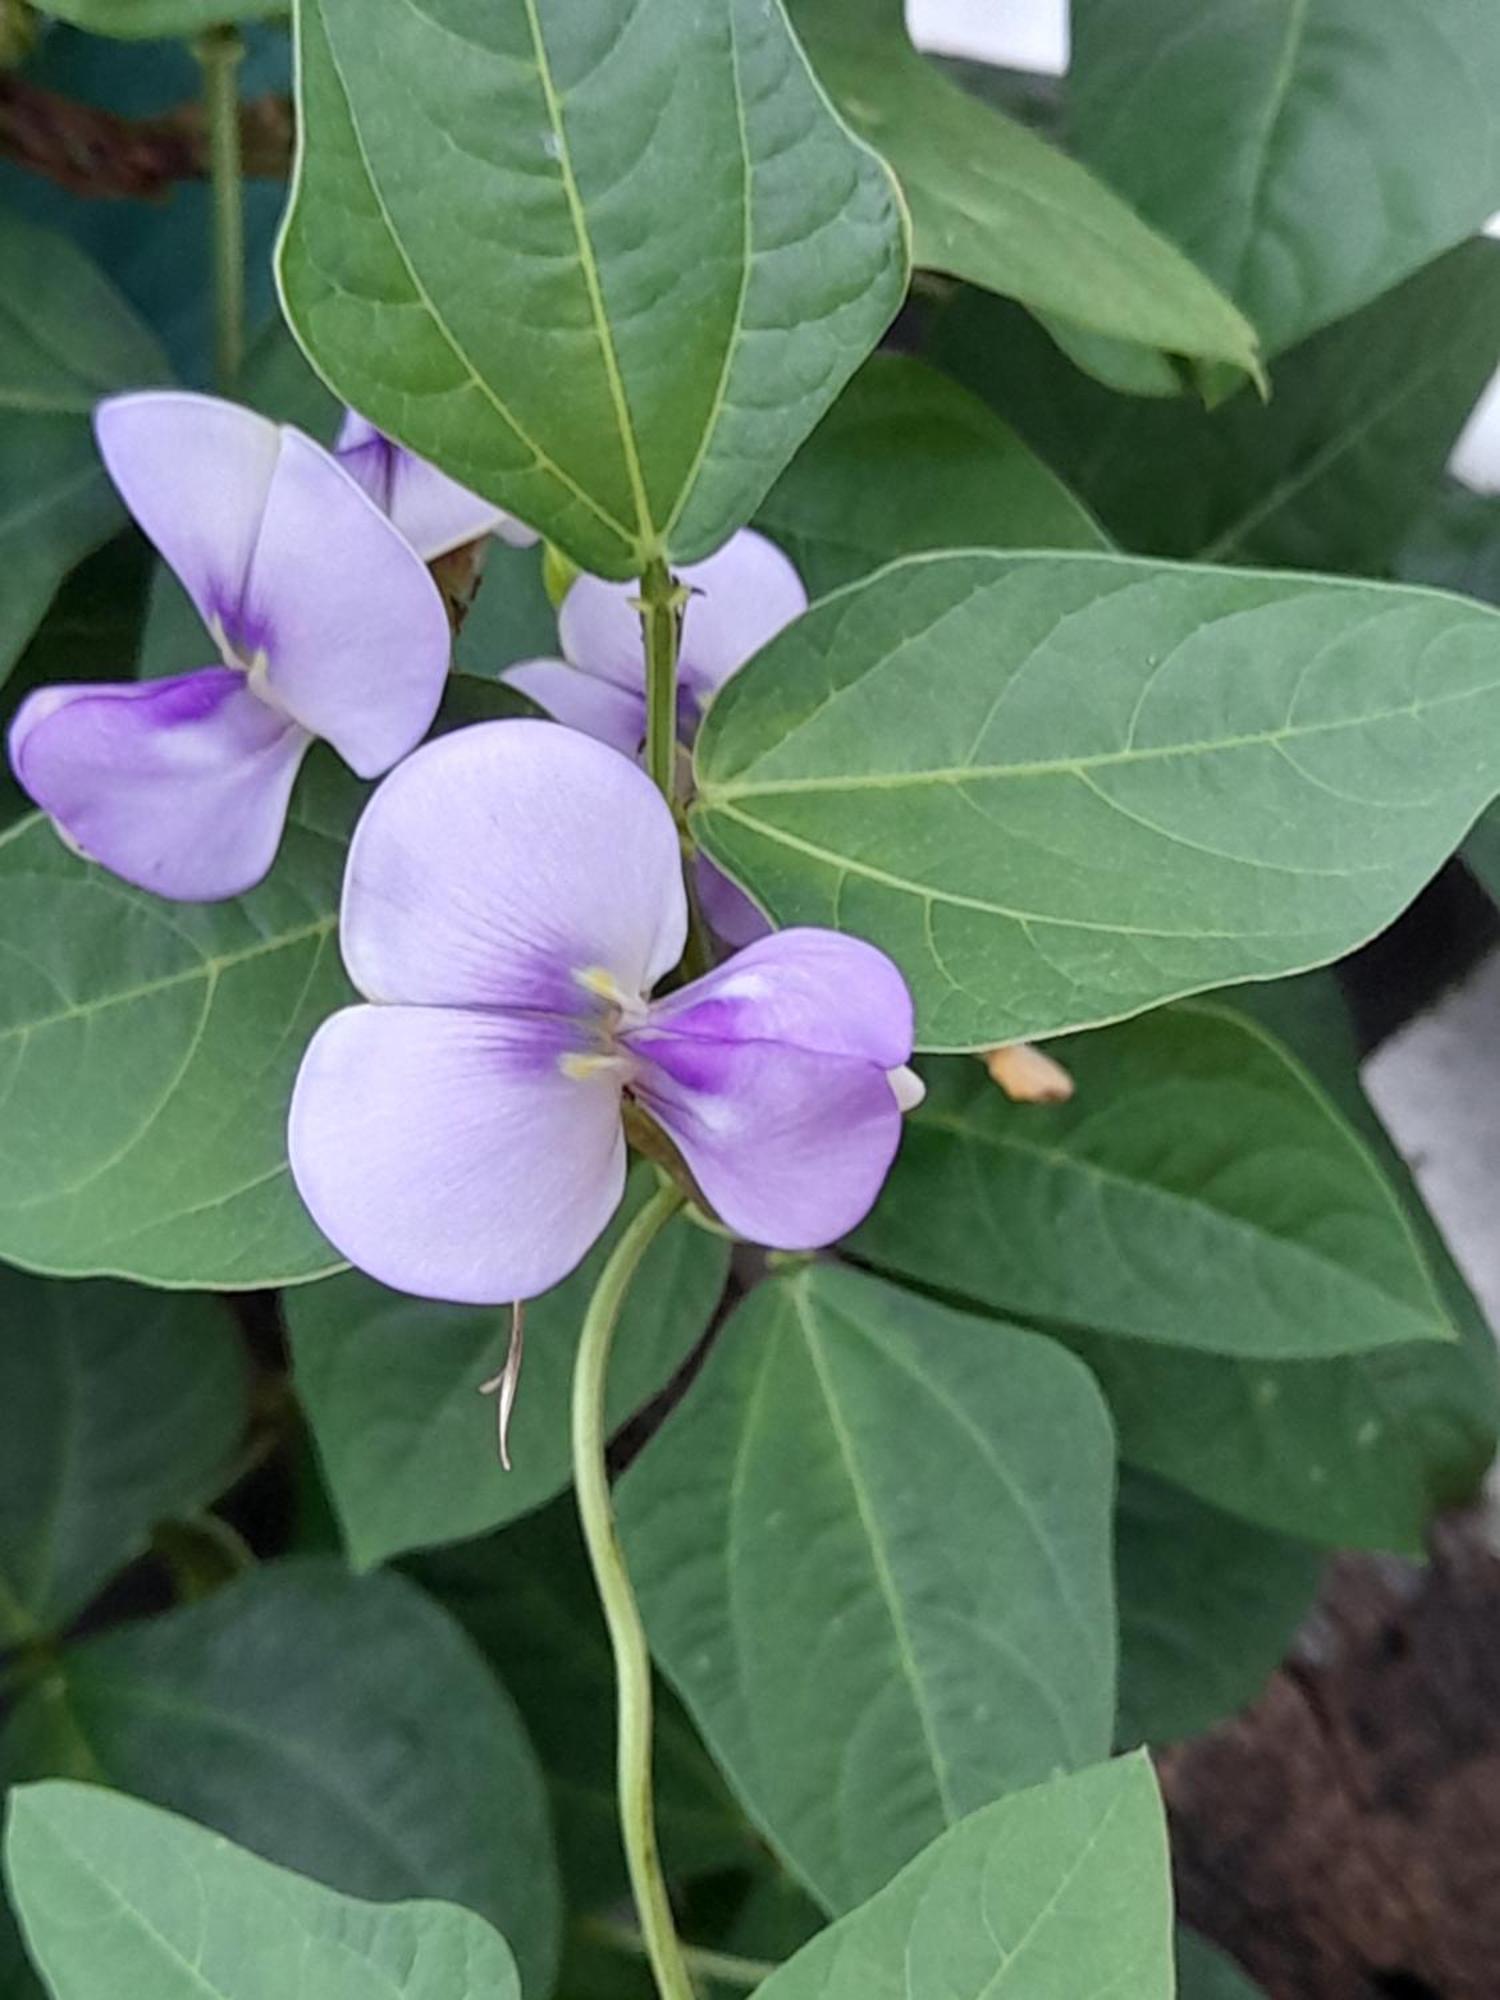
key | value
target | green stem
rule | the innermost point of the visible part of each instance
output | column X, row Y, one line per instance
column 724, row 1966
column 627, row 1636
column 661, row 601
column 219, row 52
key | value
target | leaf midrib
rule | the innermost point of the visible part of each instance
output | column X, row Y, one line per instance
column 1059, row 1160
column 712, row 795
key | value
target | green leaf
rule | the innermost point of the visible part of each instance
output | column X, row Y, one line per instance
column 1363, row 1450
column 122, row 1902
column 873, row 1553
column 1206, row 1974
column 996, row 204
column 122, row 1407
column 149, row 20
column 389, row 1386
column 92, row 631
column 1454, row 544
column 1357, row 1452
column 1198, row 1190
column 1060, row 789
column 341, row 1726
column 1061, row 1893
column 1330, row 474
column 147, row 1054
column 907, row 461
column 1308, row 154
column 609, row 265
column 1208, row 1609
column 66, row 339
column 527, row 1599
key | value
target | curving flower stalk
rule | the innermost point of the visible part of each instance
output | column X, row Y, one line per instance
column 514, row 895
column 325, row 621
column 433, row 512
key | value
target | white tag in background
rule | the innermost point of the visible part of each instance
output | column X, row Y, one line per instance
column 1021, row 34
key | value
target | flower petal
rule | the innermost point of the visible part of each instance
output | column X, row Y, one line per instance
column 610, row 714
column 499, row 863
column 727, row 910
column 180, row 786
column 790, row 1148
column 742, row 596
column 447, row 1153
column 352, row 627
column 432, row 511
column 195, row 472
column 813, row 989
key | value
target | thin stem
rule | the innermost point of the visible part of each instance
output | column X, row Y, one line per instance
column 724, row 1966
column 661, row 601
column 627, row 1636
column 219, row 51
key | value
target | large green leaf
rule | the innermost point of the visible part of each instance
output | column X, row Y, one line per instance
column 1203, row 1973
column 907, row 461
column 528, row 1599
column 1060, row 789
column 1308, row 154
column 389, row 1386
column 120, row 1901
column 1329, row 475
column 608, row 261
column 1362, row 1450
column 873, row 1553
column 342, row 1726
column 996, row 204
column 1198, row 1190
column 148, row 20
column 1208, row 1609
column 66, row 339
column 1455, row 544
column 1061, row 1893
column 121, row 1407
column 147, row 1053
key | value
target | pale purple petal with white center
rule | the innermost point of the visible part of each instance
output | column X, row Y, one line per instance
column 195, row 472
column 352, row 627
column 790, row 1148
column 741, row 597
column 180, row 786
column 432, row 511
column 727, row 910
column 610, row 714
column 500, row 863
column 813, row 989
column 448, row 1154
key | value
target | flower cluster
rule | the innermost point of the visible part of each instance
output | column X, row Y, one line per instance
column 514, row 894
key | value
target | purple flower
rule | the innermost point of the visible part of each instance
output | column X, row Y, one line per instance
column 741, row 597
column 514, row 894
column 434, row 512
column 326, row 622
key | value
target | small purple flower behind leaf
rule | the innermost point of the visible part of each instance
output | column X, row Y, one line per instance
column 326, row 624
column 433, row 512
column 739, row 599
column 514, row 893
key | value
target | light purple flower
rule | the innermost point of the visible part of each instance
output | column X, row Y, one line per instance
column 434, row 512
column 740, row 598
column 514, row 894
column 326, row 622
